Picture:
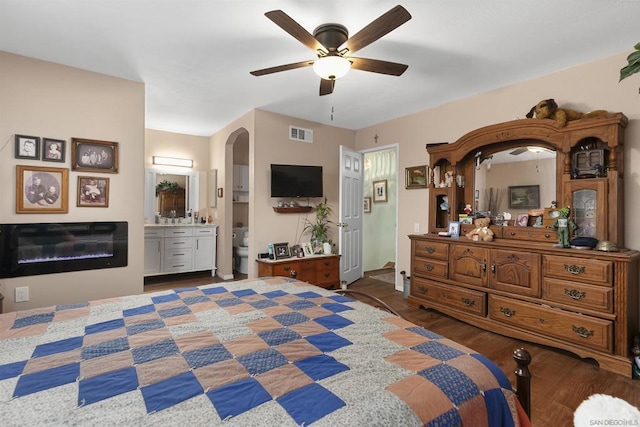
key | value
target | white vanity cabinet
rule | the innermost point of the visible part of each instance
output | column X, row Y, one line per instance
column 177, row 249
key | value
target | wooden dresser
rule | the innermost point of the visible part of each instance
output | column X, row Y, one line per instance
column 584, row 301
column 320, row 270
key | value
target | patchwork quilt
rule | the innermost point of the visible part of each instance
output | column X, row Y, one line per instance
column 270, row 351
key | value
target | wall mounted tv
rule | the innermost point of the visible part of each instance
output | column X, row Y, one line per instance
column 296, row 181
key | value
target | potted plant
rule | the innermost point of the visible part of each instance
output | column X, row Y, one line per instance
column 319, row 228
column 634, row 64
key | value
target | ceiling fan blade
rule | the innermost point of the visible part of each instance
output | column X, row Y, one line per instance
column 519, row 151
column 279, row 68
column 287, row 23
column 376, row 29
column 326, row 86
column 377, row 66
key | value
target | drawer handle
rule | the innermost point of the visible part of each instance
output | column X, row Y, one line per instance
column 327, row 274
column 287, row 268
column 513, row 233
column 428, row 267
column 468, row 302
column 507, row 311
column 293, row 274
column 431, row 249
column 326, row 264
column 547, row 235
column 574, row 294
column 574, row 269
column 582, row 332
column 422, row 289
column 178, row 254
column 541, row 320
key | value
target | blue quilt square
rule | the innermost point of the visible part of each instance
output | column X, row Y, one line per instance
column 44, row 380
column 195, row 300
column 328, row 341
column 454, row 384
column 155, row 351
column 214, row 291
column 207, row 356
column 279, row 336
column 180, row 290
column 170, row 392
column 424, row 332
column 174, row 312
column 104, row 348
column 291, row 318
column 337, row 307
column 54, row 347
column 36, row 319
column 309, row 294
column 275, row 294
column 143, row 309
column 229, row 302
column 497, row 372
column 234, row 399
column 11, row 370
column 263, row 303
column 342, row 298
column 449, row 418
column 333, row 322
column 107, row 385
column 165, row 298
column 244, row 292
column 144, row 327
column 321, row 366
column 262, row 361
column 310, row 403
column 301, row 304
column 437, row 350
column 109, row 325
column 71, row 306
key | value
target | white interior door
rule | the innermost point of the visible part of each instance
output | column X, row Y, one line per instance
column 350, row 215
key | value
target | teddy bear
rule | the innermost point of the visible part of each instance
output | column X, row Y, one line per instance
column 548, row 109
column 482, row 231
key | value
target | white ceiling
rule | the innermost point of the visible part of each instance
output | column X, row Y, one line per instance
column 194, row 56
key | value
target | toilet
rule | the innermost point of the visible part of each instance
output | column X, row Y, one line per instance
column 241, row 250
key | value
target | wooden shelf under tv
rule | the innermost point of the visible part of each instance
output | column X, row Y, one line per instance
column 297, row 209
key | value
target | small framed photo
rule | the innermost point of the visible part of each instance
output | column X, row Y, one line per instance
column 380, row 191
column 454, row 229
column 367, row 205
column 93, row 191
column 297, row 251
column 522, row 220
column 53, row 150
column 308, row 249
column 416, row 177
column 466, row 220
column 281, row 250
column 41, row 189
column 89, row 155
column 27, row 147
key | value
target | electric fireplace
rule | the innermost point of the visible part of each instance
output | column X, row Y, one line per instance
column 45, row 248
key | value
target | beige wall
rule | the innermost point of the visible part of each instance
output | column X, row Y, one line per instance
column 587, row 87
column 48, row 100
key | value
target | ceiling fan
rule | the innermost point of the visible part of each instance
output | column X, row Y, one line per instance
column 333, row 47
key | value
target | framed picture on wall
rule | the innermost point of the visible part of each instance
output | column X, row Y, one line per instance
column 524, row 197
column 380, row 191
column 53, row 150
column 367, row 205
column 93, row 192
column 27, row 147
column 89, row 155
column 41, row 189
column 416, row 177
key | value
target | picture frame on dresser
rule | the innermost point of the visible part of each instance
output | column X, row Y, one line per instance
column 90, row 155
column 41, row 189
column 281, row 250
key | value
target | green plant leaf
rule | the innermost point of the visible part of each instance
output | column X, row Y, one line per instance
column 633, row 65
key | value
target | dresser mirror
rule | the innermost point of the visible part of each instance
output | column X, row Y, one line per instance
column 185, row 198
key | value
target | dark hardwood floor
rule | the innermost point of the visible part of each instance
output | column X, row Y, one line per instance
column 560, row 381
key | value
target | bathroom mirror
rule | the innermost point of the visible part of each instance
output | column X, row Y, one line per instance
column 521, row 166
column 181, row 201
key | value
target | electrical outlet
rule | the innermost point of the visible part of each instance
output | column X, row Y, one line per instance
column 22, row 294
column 416, row 227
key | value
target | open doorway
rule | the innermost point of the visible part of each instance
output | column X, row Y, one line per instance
column 240, row 195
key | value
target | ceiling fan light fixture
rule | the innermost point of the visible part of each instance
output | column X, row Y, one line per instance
column 331, row 67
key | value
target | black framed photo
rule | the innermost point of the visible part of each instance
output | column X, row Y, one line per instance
column 281, row 250
column 27, row 147
column 53, row 150
column 524, row 197
column 93, row 192
column 90, row 155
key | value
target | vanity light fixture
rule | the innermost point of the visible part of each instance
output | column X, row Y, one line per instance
column 172, row 161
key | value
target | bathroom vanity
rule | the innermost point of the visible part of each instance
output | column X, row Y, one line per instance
column 179, row 248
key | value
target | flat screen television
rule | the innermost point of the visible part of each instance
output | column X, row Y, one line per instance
column 296, row 181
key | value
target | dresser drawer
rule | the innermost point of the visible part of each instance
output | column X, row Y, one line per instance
column 150, row 233
column 579, row 329
column 472, row 302
column 178, row 231
column 578, row 295
column 597, row 272
column 429, row 267
column 530, row 233
column 176, row 260
column 286, row 269
column 327, row 277
column 178, row 242
column 204, row 231
column 327, row 264
column 432, row 250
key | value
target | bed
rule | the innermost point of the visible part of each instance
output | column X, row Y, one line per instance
column 268, row 351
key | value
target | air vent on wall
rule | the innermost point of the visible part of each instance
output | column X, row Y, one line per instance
column 300, row 134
